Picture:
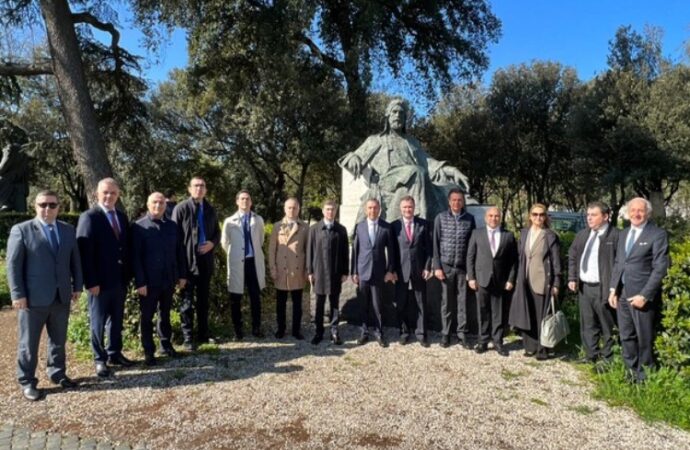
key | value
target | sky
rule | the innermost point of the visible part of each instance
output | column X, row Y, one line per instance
column 575, row 33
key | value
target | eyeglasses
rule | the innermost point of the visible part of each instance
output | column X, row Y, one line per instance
column 199, row 185
column 51, row 205
column 538, row 214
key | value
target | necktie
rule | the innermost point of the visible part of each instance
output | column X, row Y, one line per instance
column 53, row 238
column 492, row 241
column 588, row 251
column 200, row 224
column 372, row 233
column 408, row 230
column 113, row 224
column 631, row 242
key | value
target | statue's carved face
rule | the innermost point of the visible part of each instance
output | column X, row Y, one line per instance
column 396, row 117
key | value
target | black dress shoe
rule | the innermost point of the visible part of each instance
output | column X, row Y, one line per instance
column 481, row 348
column 542, row 356
column 278, row 334
column 403, row 339
column 362, row 340
column 424, row 343
column 170, row 352
column 257, row 333
column 465, row 343
column 149, row 360
column 238, row 337
column 31, row 393
column 501, row 350
column 381, row 341
column 316, row 339
column 102, row 370
column 120, row 360
column 66, row 383
column 335, row 339
column 299, row 336
column 445, row 341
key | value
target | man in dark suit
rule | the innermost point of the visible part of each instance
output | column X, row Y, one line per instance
column 491, row 268
column 373, row 253
column 328, row 260
column 44, row 275
column 102, row 234
column 158, row 262
column 452, row 232
column 590, row 262
column 413, row 268
column 635, row 289
column 198, row 225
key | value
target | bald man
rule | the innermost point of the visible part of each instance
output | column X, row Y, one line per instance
column 635, row 292
column 158, row 262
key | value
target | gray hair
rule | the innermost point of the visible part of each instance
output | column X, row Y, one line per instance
column 647, row 204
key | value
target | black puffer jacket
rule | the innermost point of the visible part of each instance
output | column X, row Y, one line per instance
column 451, row 238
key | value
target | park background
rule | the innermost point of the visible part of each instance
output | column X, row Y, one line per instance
column 266, row 96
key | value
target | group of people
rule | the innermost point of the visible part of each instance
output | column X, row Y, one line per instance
column 49, row 263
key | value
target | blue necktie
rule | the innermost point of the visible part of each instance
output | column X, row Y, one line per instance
column 53, row 238
column 200, row 223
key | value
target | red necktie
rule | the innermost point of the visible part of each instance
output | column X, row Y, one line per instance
column 408, row 230
column 113, row 223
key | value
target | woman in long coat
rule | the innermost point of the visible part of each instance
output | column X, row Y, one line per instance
column 539, row 277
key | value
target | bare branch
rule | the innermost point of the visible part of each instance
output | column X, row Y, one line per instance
column 88, row 18
column 316, row 51
column 10, row 69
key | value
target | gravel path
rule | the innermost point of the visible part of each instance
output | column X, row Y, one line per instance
column 264, row 394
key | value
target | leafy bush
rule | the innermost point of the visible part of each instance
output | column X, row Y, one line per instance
column 673, row 343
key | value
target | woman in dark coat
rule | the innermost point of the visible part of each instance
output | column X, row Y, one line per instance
column 539, row 277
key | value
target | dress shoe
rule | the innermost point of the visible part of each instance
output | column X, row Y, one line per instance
column 188, row 346
column 238, row 337
column 529, row 354
column 31, row 393
column 257, row 333
column 404, row 339
column 362, row 340
column 542, row 356
column 279, row 334
column 170, row 352
column 66, row 383
column 481, row 348
column 316, row 339
column 102, row 370
column 424, row 342
column 381, row 341
column 120, row 360
column 445, row 341
column 149, row 360
column 335, row 339
column 501, row 350
column 465, row 343
column 299, row 336
column 586, row 360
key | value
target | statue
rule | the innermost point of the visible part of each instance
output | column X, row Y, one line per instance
column 393, row 164
column 14, row 176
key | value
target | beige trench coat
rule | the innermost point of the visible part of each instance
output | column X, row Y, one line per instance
column 232, row 241
column 287, row 255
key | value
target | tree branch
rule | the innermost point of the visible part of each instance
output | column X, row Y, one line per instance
column 88, row 18
column 10, row 69
column 316, row 51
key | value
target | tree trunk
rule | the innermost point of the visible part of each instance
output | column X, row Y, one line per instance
column 77, row 107
column 656, row 198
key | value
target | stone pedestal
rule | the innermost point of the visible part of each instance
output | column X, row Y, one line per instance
column 351, row 200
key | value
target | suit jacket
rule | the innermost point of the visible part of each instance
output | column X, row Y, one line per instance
column 104, row 258
column 369, row 261
column 184, row 215
column 287, row 255
column 35, row 271
column 158, row 256
column 328, row 257
column 608, row 245
column 484, row 267
column 232, row 242
column 645, row 266
column 412, row 257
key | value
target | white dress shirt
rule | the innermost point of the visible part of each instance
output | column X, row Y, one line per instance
column 591, row 275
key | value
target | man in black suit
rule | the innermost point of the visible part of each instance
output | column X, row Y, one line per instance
column 159, row 264
column 635, row 289
column 413, row 268
column 452, row 232
column 198, row 225
column 44, row 275
column 102, row 234
column 373, row 253
column 328, row 258
column 491, row 268
column 590, row 262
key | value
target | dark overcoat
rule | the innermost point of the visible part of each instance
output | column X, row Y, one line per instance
column 327, row 257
